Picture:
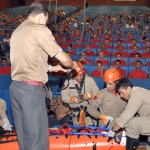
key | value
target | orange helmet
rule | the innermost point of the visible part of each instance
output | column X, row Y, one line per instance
column 111, row 75
column 79, row 70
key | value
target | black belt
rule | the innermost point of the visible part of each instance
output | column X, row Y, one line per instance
column 77, row 109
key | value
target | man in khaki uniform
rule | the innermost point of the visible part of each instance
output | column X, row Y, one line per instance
column 109, row 104
column 30, row 44
column 136, row 116
column 79, row 93
column 4, row 122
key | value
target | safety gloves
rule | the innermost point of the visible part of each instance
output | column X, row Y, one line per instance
column 106, row 119
column 75, row 100
column 87, row 96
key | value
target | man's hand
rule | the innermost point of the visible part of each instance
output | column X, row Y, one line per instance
column 105, row 118
column 75, row 100
column 111, row 134
column 56, row 68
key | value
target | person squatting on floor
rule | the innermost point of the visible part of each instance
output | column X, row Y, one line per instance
column 136, row 116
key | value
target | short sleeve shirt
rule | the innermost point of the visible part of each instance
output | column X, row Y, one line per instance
column 30, row 46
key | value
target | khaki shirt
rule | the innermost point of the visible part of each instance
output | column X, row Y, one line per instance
column 88, row 86
column 138, row 103
column 30, row 45
column 2, row 111
column 109, row 104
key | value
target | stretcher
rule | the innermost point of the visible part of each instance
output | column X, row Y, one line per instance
column 70, row 140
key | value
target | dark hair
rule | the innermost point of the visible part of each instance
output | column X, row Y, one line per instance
column 123, row 83
column 117, row 61
column 4, row 59
column 37, row 8
column 138, row 61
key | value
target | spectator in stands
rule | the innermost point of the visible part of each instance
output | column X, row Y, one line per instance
column 95, row 38
column 135, row 51
column 88, row 51
column 104, row 50
column 138, row 72
column 119, row 23
column 129, row 24
column 135, row 117
column 84, row 60
column 6, row 41
column 77, row 33
column 78, row 88
column 117, row 65
column 64, row 43
column 120, row 50
column 110, row 35
column 129, row 37
column 147, row 44
column 99, row 72
column 107, row 44
column 4, row 122
column 134, row 43
column 31, row 43
column 102, row 59
column 108, row 105
column 69, row 40
column 119, row 39
column 70, row 50
column 5, row 69
column 92, row 43
column 146, row 54
column 119, row 57
column 77, row 44
column 136, row 58
column 119, row 43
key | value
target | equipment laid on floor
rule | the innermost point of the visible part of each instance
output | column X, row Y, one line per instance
column 68, row 138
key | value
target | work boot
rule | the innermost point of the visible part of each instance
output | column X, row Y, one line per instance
column 132, row 143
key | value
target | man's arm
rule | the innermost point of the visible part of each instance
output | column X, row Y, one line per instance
column 64, row 59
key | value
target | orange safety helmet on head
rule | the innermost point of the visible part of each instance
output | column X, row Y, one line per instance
column 111, row 75
column 79, row 70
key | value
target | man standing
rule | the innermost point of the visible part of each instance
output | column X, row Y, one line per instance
column 136, row 116
column 31, row 43
column 79, row 93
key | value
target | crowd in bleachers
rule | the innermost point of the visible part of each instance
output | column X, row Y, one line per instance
column 106, row 38
column 120, row 39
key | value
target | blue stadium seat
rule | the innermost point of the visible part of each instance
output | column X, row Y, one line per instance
column 5, row 81
column 100, row 82
column 87, row 68
column 145, row 83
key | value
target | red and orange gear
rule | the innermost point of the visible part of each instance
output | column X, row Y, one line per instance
column 79, row 70
column 111, row 75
